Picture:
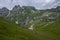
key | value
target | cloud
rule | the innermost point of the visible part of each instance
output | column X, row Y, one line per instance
column 39, row 4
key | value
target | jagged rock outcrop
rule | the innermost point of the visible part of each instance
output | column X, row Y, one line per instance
column 4, row 12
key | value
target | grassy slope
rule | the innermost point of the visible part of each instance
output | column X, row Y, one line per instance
column 10, row 31
column 49, row 32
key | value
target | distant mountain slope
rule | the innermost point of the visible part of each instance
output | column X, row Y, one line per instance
column 10, row 31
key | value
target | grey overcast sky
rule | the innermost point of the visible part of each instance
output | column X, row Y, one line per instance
column 39, row 4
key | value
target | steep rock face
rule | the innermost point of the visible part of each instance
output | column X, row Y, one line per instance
column 22, row 14
column 4, row 12
column 16, row 11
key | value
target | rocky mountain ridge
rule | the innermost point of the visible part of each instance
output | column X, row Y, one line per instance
column 26, row 14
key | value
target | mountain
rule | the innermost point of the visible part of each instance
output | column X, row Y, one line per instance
column 21, row 14
column 28, row 23
column 25, row 14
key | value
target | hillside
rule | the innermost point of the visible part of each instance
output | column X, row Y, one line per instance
column 51, row 30
column 10, row 31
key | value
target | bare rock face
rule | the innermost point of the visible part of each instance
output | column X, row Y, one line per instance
column 4, row 12
column 16, row 22
column 31, row 27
